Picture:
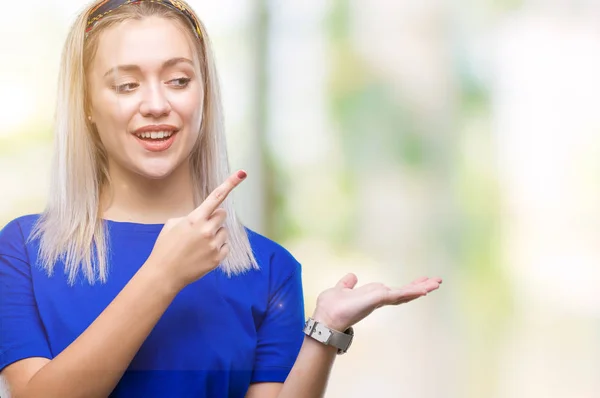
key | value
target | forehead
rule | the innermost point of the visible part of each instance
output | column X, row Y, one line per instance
column 147, row 42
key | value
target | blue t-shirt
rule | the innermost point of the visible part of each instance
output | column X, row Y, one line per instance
column 218, row 336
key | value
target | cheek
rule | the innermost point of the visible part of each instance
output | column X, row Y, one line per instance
column 189, row 108
column 112, row 118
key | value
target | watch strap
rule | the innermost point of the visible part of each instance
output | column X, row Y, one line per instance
column 328, row 336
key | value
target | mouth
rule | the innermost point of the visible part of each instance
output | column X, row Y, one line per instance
column 155, row 135
column 156, row 138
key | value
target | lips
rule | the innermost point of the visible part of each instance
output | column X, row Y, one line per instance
column 145, row 131
column 156, row 138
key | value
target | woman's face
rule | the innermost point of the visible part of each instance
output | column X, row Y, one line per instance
column 146, row 99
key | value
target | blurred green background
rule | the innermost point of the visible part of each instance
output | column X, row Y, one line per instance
column 394, row 139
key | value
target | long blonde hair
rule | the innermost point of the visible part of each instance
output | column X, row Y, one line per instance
column 71, row 227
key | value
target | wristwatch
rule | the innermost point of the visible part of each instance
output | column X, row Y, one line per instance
column 327, row 336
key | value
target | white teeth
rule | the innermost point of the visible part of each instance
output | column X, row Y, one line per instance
column 156, row 135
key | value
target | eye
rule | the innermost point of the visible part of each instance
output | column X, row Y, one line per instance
column 125, row 87
column 181, row 82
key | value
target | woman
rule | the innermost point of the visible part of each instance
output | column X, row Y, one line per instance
column 138, row 280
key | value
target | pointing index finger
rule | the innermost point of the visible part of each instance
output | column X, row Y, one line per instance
column 216, row 197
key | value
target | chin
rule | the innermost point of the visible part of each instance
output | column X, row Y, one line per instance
column 156, row 171
column 154, row 175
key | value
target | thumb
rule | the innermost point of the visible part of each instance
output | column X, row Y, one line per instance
column 348, row 281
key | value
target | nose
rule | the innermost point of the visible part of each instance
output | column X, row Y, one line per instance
column 155, row 103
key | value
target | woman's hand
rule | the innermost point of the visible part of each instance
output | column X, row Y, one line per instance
column 343, row 306
column 190, row 247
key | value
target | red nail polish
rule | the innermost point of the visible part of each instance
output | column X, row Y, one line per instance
column 242, row 174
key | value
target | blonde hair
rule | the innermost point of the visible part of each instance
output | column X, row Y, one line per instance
column 71, row 227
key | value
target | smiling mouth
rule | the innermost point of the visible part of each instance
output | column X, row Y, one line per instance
column 155, row 135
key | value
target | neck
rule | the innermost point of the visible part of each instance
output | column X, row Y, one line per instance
column 133, row 198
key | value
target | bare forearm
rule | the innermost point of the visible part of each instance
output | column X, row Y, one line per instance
column 94, row 363
column 309, row 376
column 338, row 308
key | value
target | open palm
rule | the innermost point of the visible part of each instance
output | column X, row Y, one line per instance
column 345, row 304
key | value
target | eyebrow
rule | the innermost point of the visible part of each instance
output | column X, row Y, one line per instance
column 128, row 68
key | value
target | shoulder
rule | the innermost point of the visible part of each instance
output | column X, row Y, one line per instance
column 267, row 250
column 23, row 223
column 272, row 257
column 14, row 234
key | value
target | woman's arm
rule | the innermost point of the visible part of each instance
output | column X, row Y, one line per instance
column 338, row 308
column 93, row 364
column 308, row 377
column 186, row 250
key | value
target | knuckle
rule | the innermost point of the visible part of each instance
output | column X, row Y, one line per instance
column 219, row 194
column 220, row 213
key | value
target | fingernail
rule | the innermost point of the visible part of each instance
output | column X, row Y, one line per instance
column 242, row 174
